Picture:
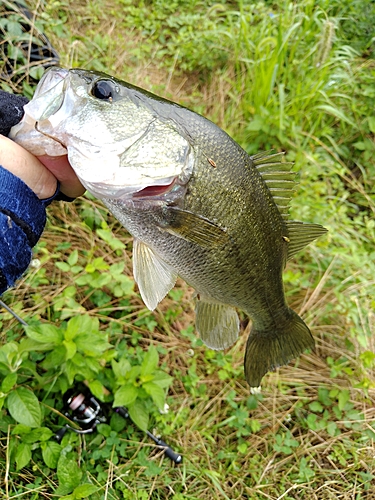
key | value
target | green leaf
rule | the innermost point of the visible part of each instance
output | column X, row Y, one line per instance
column 256, row 124
column 69, row 475
column 139, row 414
column 360, row 145
column 76, row 325
column 2, row 401
column 104, row 429
column 109, row 237
column 162, row 379
column 63, row 266
column 71, row 348
column 126, row 286
column 21, row 429
column 76, row 269
column 54, row 358
column 7, row 349
column 9, row 381
column 82, row 280
column 84, row 490
column 39, row 434
column 23, row 455
column 14, row 28
column 24, row 407
column 117, row 422
column 92, row 365
column 150, row 361
column 28, row 345
column 120, row 368
column 71, row 371
column 337, row 113
column 156, row 392
column 73, row 258
column 371, row 123
column 117, row 269
column 51, row 453
column 332, row 428
column 125, row 396
column 97, row 389
column 92, row 343
column 44, row 333
column 316, row 406
column 133, row 374
column 343, row 398
column 97, row 264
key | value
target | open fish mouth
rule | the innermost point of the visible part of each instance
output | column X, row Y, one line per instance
column 106, row 190
column 155, row 190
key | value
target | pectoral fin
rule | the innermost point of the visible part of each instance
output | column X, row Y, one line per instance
column 193, row 228
column 153, row 276
column 217, row 324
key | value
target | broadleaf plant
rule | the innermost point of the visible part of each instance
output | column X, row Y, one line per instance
column 36, row 372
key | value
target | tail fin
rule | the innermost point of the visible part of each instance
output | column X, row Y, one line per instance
column 269, row 349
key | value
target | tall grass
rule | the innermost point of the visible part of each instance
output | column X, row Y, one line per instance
column 294, row 76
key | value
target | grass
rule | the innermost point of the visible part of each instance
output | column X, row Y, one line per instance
column 289, row 76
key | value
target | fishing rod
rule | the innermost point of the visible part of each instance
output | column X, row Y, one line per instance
column 2, row 304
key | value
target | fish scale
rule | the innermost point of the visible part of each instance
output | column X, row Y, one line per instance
column 197, row 205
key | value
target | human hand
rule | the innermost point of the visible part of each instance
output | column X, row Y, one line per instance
column 60, row 167
column 40, row 174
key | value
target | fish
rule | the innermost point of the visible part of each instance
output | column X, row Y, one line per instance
column 198, row 206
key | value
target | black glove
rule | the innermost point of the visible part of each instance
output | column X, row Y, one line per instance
column 11, row 110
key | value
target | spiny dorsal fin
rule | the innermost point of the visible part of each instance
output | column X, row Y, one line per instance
column 301, row 234
column 278, row 176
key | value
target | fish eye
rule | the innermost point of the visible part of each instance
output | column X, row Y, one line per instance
column 104, row 89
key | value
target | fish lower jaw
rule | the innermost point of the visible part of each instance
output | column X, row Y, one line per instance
column 111, row 191
column 155, row 190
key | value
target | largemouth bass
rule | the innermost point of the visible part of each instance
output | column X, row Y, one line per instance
column 197, row 205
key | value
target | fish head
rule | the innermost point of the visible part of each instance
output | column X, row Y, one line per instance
column 117, row 141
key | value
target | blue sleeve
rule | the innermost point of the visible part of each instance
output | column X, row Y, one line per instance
column 22, row 220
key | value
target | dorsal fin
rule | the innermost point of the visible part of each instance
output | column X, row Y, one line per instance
column 301, row 234
column 278, row 176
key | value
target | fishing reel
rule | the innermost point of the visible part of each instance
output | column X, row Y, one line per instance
column 81, row 407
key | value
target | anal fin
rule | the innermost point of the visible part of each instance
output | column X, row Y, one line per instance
column 153, row 276
column 217, row 324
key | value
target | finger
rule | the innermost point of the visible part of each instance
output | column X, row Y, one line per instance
column 27, row 167
column 60, row 167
